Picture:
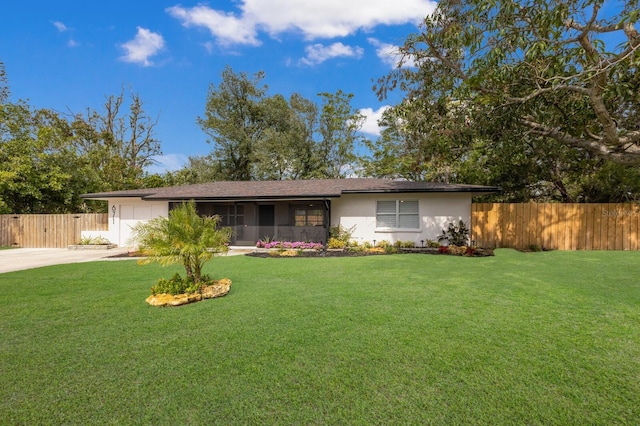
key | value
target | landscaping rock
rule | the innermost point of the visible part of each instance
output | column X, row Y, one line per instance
column 217, row 289
column 164, row 299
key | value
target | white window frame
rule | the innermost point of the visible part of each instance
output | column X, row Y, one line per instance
column 395, row 216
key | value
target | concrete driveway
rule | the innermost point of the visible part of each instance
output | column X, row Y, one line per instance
column 27, row 258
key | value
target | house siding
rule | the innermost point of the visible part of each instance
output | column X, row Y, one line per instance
column 436, row 210
column 124, row 213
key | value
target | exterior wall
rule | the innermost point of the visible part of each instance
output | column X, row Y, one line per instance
column 436, row 211
column 124, row 213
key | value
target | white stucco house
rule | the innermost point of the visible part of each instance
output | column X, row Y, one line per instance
column 303, row 210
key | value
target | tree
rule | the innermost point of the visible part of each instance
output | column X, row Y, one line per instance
column 4, row 85
column 40, row 172
column 563, row 71
column 258, row 137
column 182, row 237
column 118, row 146
column 415, row 149
column 286, row 149
column 233, row 120
column 339, row 126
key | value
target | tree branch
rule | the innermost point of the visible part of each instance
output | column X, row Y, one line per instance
column 630, row 154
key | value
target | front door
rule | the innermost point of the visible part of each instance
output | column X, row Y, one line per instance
column 266, row 221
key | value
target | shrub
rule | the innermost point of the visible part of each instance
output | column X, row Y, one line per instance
column 375, row 250
column 457, row 250
column 341, row 233
column 433, row 244
column 404, row 244
column 177, row 285
column 335, row 243
column 85, row 241
column 457, row 235
column 383, row 244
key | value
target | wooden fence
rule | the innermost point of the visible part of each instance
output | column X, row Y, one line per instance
column 557, row 226
column 48, row 230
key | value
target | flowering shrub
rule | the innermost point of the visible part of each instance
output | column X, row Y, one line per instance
column 336, row 244
column 287, row 245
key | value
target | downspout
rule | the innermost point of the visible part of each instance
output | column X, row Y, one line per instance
column 327, row 220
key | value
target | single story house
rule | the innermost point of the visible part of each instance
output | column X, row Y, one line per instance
column 303, row 210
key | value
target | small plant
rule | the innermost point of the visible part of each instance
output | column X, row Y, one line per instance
column 457, row 235
column 433, row 244
column 177, row 285
column 336, row 244
column 457, row 250
column 443, row 250
column 375, row 250
column 404, row 244
column 383, row 244
column 534, row 247
column 340, row 236
column 98, row 240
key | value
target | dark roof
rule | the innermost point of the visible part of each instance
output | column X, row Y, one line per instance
column 288, row 189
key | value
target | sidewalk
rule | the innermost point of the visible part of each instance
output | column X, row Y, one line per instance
column 28, row 258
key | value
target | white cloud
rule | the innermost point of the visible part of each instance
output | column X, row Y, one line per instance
column 370, row 125
column 60, row 26
column 314, row 19
column 167, row 163
column 318, row 53
column 390, row 54
column 145, row 44
column 226, row 27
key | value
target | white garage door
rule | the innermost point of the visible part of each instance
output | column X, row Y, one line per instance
column 129, row 217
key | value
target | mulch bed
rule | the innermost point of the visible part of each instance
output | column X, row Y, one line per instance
column 346, row 253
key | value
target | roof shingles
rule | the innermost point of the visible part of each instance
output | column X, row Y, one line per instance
column 314, row 188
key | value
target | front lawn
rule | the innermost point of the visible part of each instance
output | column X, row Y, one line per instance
column 519, row 338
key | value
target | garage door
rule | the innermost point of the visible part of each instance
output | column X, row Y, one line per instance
column 130, row 216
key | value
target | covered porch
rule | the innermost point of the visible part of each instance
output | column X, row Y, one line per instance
column 251, row 221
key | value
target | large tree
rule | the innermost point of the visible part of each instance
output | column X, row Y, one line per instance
column 564, row 71
column 40, row 172
column 258, row 137
column 339, row 132
column 117, row 144
column 234, row 122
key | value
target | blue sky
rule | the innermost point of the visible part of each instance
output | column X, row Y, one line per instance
column 68, row 55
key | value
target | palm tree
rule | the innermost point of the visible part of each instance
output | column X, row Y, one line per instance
column 182, row 237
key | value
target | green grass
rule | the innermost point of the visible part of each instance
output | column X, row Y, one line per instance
column 519, row 338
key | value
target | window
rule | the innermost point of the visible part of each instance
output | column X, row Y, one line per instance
column 308, row 216
column 397, row 214
column 230, row 214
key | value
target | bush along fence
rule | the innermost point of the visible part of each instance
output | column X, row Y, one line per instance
column 556, row 226
column 48, row 230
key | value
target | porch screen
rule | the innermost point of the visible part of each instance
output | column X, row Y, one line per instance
column 397, row 214
column 308, row 216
